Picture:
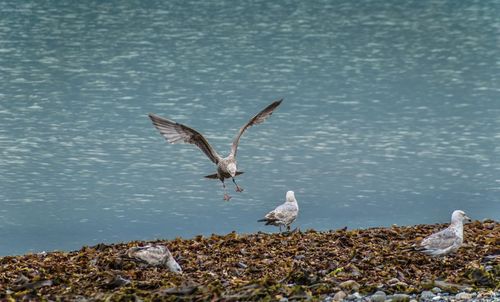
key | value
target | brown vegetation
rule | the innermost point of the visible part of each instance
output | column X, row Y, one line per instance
column 299, row 265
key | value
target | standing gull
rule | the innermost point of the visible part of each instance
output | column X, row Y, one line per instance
column 284, row 214
column 226, row 167
column 448, row 240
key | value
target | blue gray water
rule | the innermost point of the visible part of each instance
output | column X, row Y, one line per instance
column 391, row 115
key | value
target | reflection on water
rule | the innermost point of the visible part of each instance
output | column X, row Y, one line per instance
column 390, row 115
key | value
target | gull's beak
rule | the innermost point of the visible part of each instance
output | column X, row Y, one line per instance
column 467, row 219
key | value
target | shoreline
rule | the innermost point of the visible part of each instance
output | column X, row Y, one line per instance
column 301, row 265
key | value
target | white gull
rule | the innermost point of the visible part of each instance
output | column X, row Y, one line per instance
column 284, row 214
column 155, row 255
column 448, row 240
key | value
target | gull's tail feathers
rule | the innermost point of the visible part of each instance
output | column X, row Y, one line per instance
column 214, row 176
column 267, row 221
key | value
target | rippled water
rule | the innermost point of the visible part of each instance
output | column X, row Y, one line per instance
column 391, row 115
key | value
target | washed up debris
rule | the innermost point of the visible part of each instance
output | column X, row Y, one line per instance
column 116, row 281
column 25, row 284
column 300, row 265
column 155, row 255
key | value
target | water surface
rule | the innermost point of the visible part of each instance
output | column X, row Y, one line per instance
column 391, row 115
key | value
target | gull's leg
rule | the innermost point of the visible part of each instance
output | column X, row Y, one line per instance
column 238, row 188
column 226, row 196
column 280, row 228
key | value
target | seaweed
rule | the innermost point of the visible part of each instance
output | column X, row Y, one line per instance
column 248, row 267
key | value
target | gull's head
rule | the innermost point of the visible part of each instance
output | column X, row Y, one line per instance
column 290, row 196
column 459, row 216
column 231, row 167
column 173, row 266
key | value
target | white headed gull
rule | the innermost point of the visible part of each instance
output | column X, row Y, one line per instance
column 284, row 214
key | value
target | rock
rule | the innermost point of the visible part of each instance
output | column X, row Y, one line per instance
column 426, row 295
column 449, row 287
column 400, row 298
column 339, row 296
column 436, row 290
column 463, row 296
column 393, row 281
column 379, row 296
column 354, row 297
column 350, row 285
column 399, row 286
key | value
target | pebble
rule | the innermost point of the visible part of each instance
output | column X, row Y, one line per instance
column 339, row 296
column 400, row 298
column 463, row 296
column 426, row 295
column 350, row 285
column 379, row 296
column 436, row 290
column 354, row 297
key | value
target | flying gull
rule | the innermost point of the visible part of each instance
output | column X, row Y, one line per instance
column 448, row 240
column 284, row 214
column 226, row 167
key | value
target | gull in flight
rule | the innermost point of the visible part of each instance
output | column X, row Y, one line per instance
column 226, row 167
column 448, row 240
column 284, row 214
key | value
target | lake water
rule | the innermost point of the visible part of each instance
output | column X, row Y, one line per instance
column 391, row 115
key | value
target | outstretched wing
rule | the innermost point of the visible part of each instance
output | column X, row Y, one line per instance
column 259, row 118
column 178, row 133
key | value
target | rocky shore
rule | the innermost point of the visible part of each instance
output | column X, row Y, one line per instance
column 376, row 264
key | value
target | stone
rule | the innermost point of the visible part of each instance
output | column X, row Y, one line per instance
column 339, row 296
column 463, row 296
column 400, row 298
column 378, row 296
column 400, row 286
column 350, row 285
column 354, row 297
column 426, row 295
column 436, row 290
